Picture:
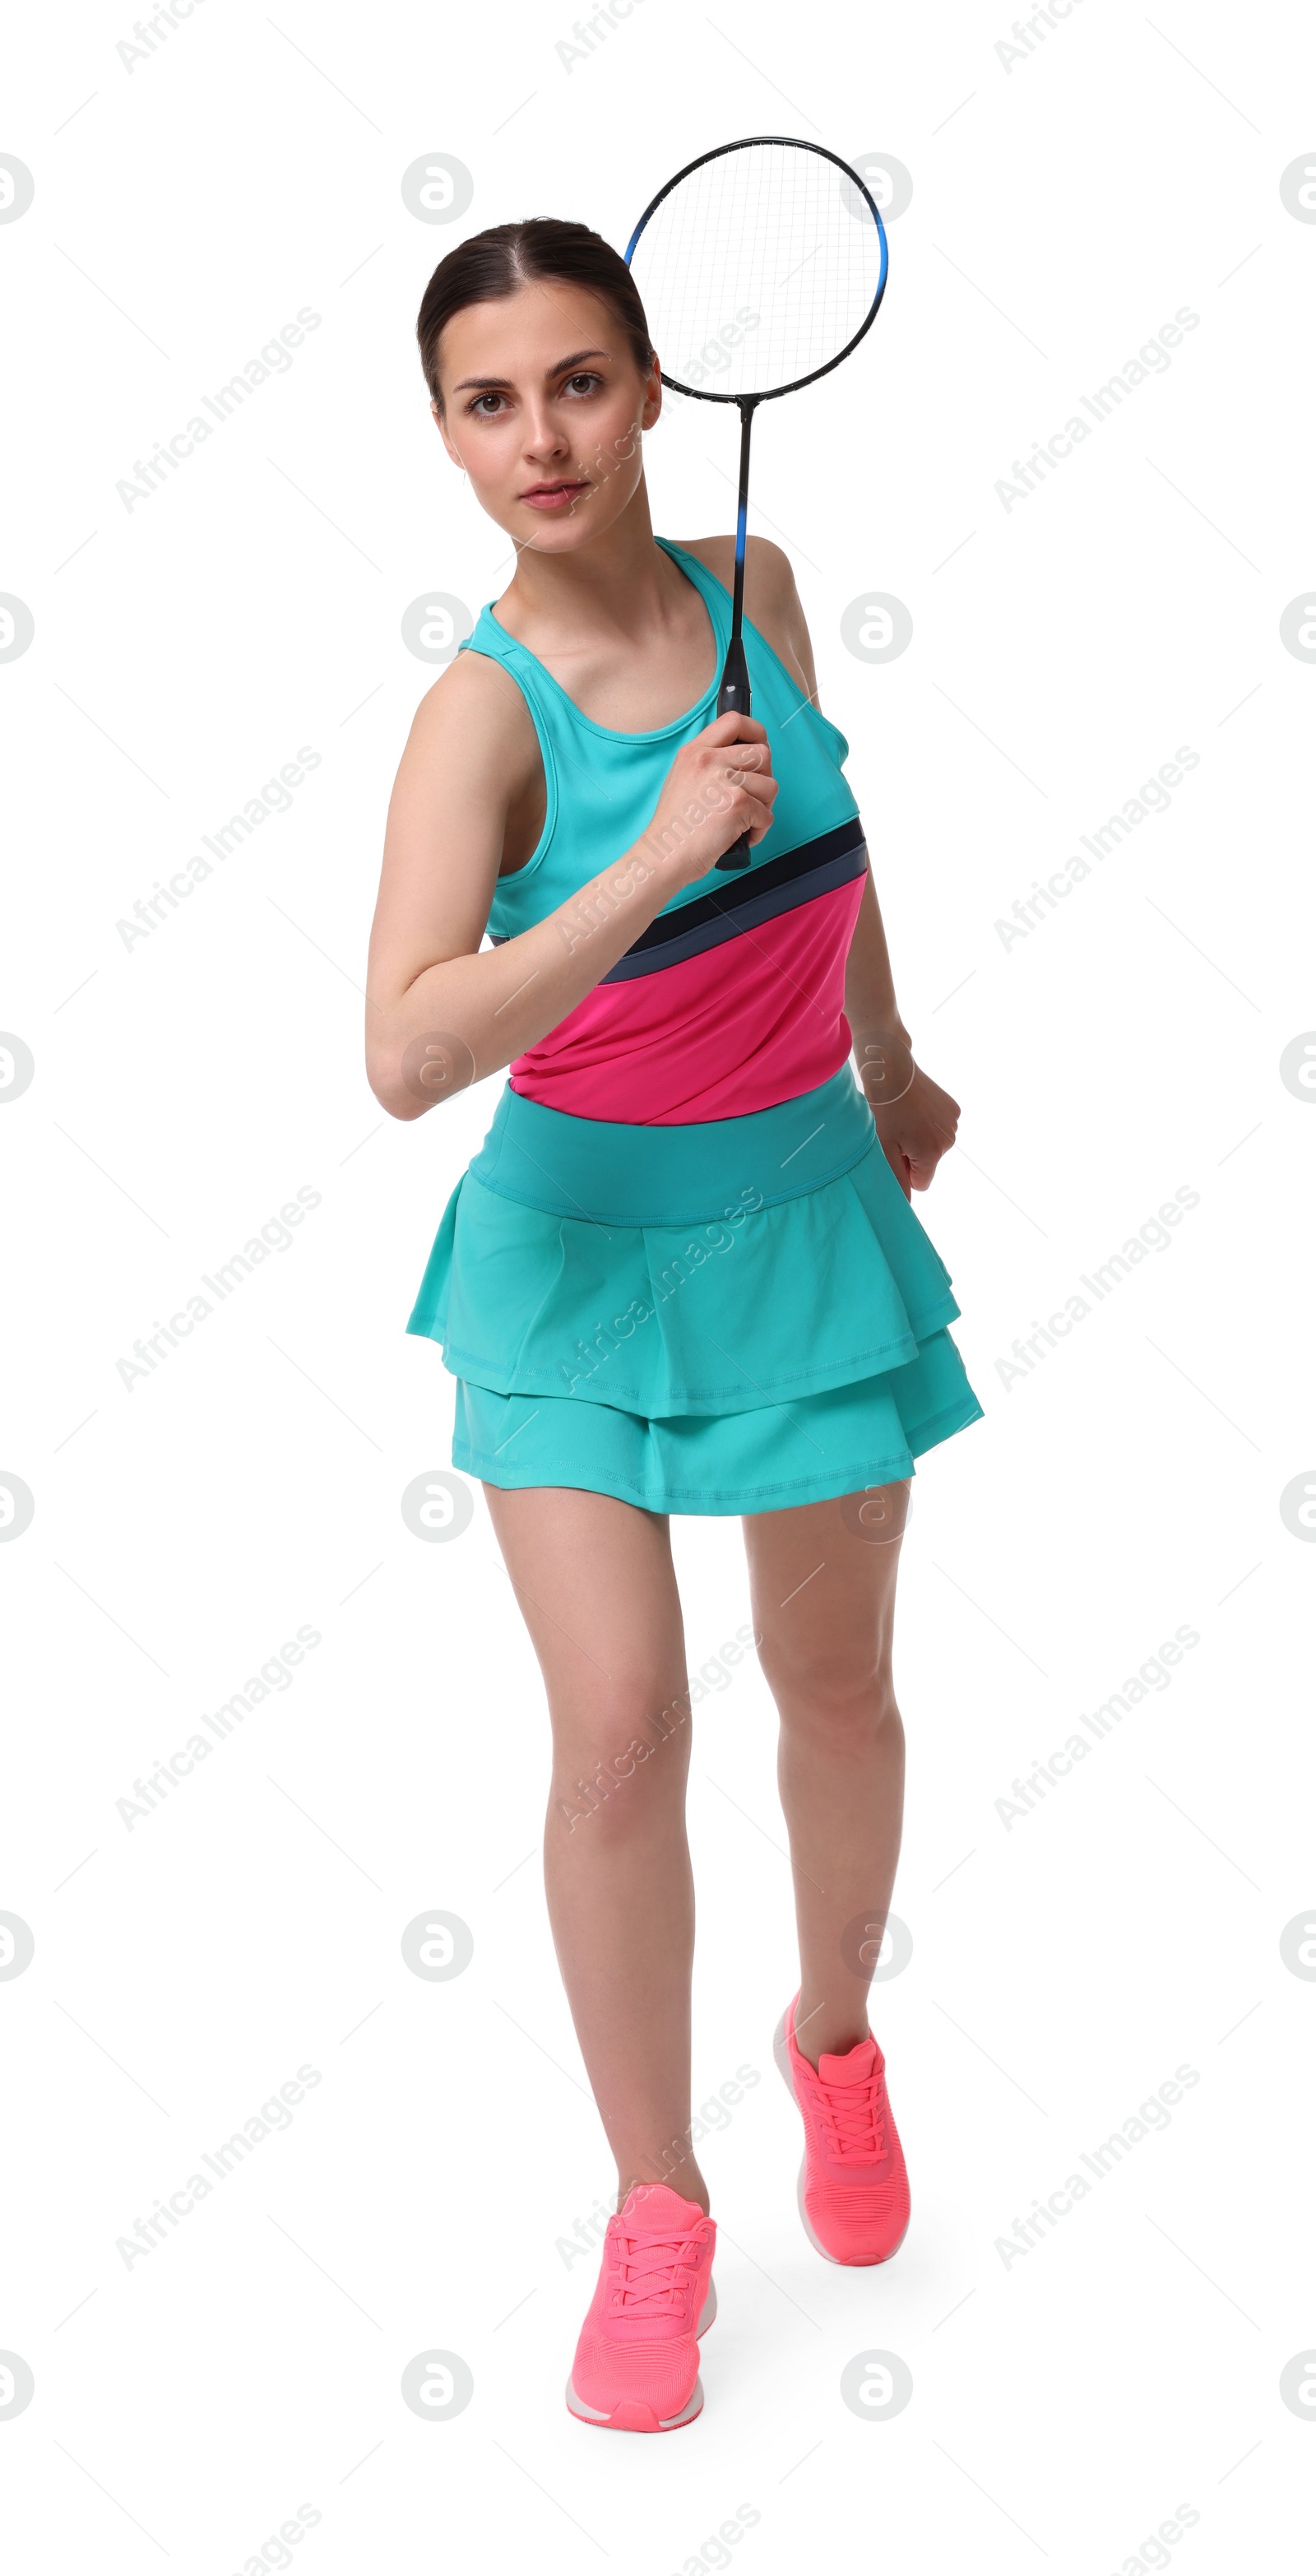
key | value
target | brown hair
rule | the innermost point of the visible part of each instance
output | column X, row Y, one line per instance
column 495, row 263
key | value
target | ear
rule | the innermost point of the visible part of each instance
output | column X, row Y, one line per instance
column 653, row 396
column 441, row 426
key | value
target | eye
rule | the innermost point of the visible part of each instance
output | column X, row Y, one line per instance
column 585, row 380
column 480, row 400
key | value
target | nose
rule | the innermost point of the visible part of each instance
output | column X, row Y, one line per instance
column 545, row 441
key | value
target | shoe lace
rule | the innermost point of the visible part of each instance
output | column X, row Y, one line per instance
column 655, row 2274
column 854, row 2119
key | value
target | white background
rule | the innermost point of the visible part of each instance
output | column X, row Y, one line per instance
column 1064, row 207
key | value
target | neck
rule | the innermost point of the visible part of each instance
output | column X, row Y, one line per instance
column 620, row 581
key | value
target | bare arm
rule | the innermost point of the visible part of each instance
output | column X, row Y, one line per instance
column 915, row 1118
column 442, row 1013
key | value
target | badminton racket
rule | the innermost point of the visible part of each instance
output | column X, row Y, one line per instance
column 760, row 267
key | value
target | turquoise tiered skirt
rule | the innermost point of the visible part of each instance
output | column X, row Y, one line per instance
column 729, row 1317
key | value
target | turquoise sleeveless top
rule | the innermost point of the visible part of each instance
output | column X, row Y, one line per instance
column 731, row 999
column 602, row 786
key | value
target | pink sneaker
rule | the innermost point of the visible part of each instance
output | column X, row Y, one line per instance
column 637, row 2361
column 853, row 2191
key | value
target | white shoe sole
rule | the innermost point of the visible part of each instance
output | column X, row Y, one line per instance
column 663, row 2423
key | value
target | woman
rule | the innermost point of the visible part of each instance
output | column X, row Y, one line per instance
column 682, row 1273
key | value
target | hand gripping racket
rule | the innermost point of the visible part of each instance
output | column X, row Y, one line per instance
column 760, row 266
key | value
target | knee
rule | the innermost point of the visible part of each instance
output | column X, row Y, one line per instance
column 613, row 1772
column 842, row 1688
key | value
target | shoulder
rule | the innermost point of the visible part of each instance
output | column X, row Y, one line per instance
column 772, row 602
column 476, row 717
column 769, row 580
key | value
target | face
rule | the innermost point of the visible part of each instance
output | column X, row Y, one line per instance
column 543, row 405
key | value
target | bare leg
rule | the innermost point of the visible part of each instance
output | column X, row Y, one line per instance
column 822, row 1584
column 597, row 1589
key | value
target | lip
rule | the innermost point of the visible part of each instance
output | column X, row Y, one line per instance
column 553, row 496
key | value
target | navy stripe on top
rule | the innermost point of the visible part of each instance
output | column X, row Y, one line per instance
column 779, row 885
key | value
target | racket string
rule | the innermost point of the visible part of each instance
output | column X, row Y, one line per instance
column 757, row 269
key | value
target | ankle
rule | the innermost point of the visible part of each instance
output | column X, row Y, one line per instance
column 823, row 2030
column 687, row 2180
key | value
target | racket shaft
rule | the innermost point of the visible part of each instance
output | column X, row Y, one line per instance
column 733, row 697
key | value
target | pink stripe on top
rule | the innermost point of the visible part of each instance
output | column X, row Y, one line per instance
column 753, row 1021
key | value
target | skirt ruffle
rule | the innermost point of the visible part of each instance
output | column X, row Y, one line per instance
column 866, row 1433
column 769, row 1355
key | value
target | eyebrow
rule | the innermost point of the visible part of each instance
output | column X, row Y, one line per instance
column 502, row 384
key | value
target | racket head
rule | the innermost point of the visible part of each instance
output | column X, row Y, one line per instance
column 761, row 265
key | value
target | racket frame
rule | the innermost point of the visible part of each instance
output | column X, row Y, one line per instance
column 794, row 143
column 734, row 691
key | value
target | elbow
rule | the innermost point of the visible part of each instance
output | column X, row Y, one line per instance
column 409, row 1070
column 408, row 1081
column 386, row 1079
column 399, row 1104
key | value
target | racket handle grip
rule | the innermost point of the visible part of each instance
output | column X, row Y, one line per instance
column 733, row 700
column 733, row 696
